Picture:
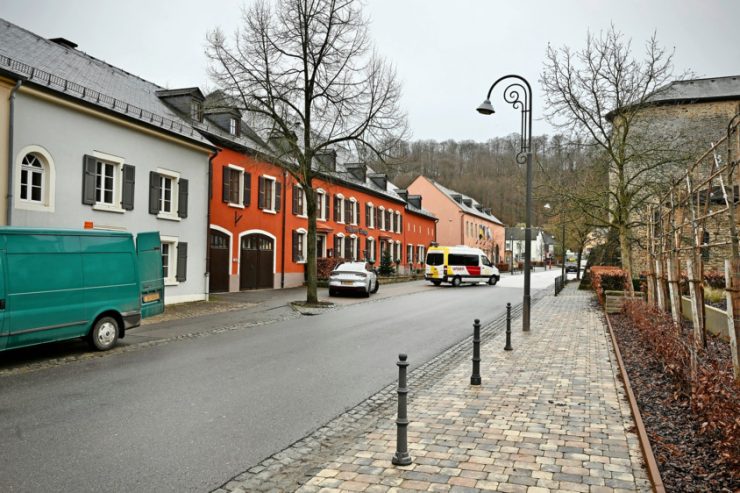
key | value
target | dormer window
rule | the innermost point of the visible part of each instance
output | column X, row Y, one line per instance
column 233, row 126
column 196, row 111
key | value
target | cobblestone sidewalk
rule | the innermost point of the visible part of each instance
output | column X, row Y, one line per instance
column 549, row 416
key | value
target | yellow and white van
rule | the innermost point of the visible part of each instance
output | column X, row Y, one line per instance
column 459, row 264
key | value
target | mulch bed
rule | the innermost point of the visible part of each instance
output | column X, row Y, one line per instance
column 686, row 458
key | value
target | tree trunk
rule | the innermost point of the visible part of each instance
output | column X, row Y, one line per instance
column 624, row 250
column 311, row 288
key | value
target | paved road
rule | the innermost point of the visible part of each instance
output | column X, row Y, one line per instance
column 187, row 415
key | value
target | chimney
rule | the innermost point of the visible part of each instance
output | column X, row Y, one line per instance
column 64, row 42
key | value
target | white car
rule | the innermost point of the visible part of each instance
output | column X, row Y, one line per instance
column 353, row 277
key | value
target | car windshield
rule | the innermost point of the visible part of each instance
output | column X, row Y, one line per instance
column 435, row 258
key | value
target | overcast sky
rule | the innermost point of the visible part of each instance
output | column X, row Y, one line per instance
column 447, row 52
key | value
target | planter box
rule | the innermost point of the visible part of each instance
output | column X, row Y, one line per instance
column 716, row 319
column 614, row 299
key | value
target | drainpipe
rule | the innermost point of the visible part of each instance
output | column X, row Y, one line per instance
column 11, row 185
column 208, row 225
column 285, row 214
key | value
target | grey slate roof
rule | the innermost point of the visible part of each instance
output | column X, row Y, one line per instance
column 468, row 209
column 516, row 233
column 78, row 75
column 697, row 89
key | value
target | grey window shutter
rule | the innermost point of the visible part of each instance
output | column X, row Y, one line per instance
column 296, row 191
column 326, row 206
column 127, row 195
column 154, row 192
column 182, row 262
column 225, row 187
column 295, row 246
column 182, row 198
column 336, row 209
column 367, row 216
column 278, row 195
column 247, row 189
column 261, row 195
column 400, row 224
column 88, row 180
column 337, row 253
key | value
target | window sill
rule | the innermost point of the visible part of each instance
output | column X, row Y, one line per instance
column 303, row 216
column 235, row 206
column 171, row 282
column 269, row 211
column 168, row 217
column 33, row 206
column 107, row 208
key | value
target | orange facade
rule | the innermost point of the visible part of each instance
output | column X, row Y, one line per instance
column 259, row 228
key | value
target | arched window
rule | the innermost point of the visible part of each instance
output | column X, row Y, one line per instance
column 34, row 179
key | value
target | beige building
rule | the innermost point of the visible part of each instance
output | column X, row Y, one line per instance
column 461, row 219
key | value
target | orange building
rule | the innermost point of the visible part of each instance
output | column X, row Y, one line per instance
column 258, row 224
column 462, row 220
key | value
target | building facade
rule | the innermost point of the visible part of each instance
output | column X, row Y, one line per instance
column 461, row 219
column 94, row 147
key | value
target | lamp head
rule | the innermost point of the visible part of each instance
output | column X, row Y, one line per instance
column 486, row 108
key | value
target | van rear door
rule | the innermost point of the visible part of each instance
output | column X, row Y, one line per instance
column 149, row 254
column 3, row 323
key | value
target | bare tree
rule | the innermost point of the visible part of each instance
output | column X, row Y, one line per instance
column 306, row 73
column 597, row 96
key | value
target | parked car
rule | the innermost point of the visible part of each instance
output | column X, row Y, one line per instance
column 353, row 277
column 571, row 267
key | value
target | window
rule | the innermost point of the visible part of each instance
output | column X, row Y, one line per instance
column 398, row 251
column 339, row 212
column 369, row 215
column 420, row 253
column 233, row 126
column 352, row 247
column 174, row 260
column 399, row 227
column 196, row 111
column 107, row 183
column 381, row 218
column 236, row 186
column 34, row 185
column 389, row 224
column 299, row 245
column 353, row 211
column 370, row 249
column 32, row 179
column 299, row 201
column 339, row 245
column 269, row 194
column 410, row 254
column 168, row 194
column 322, row 205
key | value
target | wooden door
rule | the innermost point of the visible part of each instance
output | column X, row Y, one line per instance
column 257, row 253
column 218, row 262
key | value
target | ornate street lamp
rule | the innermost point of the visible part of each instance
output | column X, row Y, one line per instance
column 519, row 94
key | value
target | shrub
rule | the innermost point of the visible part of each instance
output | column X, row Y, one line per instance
column 713, row 295
column 714, row 279
column 713, row 392
column 503, row 267
column 324, row 266
column 605, row 278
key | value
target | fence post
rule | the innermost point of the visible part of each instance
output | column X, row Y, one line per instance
column 508, row 328
column 673, row 290
column 402, row 457
column 697, row 303
column 732, row 282
column 475, row 377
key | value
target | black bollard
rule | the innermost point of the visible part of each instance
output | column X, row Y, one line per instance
column 508, row 328
column 475, row 377
column 402, row 457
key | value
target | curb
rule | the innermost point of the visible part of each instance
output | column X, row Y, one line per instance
column 647, row 450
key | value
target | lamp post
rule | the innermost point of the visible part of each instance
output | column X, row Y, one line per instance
column 519, row 94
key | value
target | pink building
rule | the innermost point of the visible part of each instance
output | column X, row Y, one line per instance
column 461, row 219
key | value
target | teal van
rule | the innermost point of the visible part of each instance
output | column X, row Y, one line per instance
column 58, row 284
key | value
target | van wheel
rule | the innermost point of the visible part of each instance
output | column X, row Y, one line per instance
column 436, row 282
column 104, row 333
column 456, row 281
column 492, row 280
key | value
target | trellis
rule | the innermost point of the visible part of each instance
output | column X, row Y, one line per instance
column 703, row 198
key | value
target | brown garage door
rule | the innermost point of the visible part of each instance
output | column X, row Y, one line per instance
column 218, row 261
column 256, row 262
